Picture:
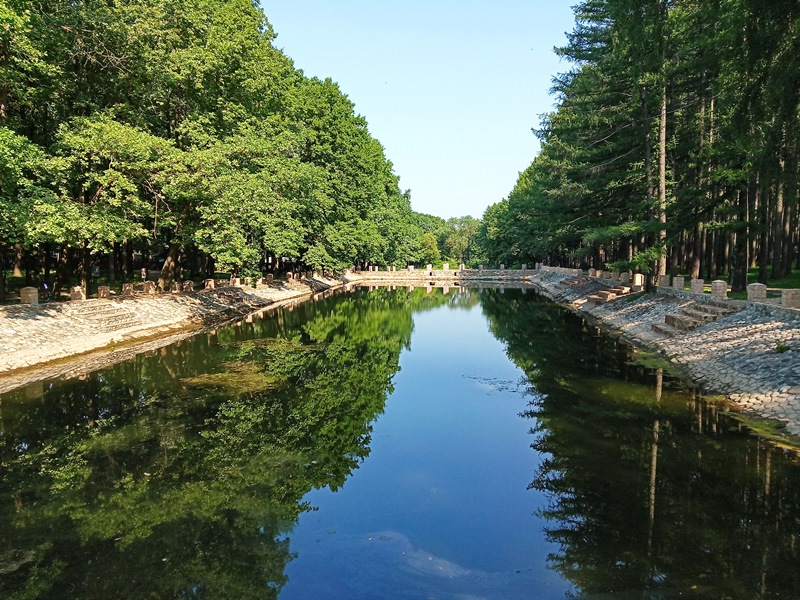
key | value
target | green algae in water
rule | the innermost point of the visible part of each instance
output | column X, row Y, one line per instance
column 238, row 377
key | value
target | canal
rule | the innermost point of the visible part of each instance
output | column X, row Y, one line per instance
column 477, row 444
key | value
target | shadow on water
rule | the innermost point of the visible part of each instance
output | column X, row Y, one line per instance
column 652, row 493
column 181, row 474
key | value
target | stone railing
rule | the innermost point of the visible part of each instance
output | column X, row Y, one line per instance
column 756, row 292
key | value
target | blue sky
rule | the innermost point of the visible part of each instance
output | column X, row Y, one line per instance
column 451, row 89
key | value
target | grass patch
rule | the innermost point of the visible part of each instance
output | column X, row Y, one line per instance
column 771, row 430
column 650, row 360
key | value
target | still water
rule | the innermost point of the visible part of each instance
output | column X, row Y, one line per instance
column 391, row 444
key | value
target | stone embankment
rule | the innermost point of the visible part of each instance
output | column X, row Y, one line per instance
column 36, row 340
column 750, row 352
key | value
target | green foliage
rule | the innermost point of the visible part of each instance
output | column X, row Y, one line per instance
column 177, row 123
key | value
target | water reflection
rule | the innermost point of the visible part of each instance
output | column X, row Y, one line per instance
column 651, row 493
column 182, row 474
column 176, row 475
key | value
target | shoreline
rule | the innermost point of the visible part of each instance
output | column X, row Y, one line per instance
column 751, row 356
column 74, row 338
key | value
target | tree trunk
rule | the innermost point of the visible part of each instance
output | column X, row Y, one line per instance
column 662, row 183
column 18, row 256
column 86, row 267
column 170, row 266
column 62, row 271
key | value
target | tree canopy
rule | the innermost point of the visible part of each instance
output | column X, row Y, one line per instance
column 673, row 146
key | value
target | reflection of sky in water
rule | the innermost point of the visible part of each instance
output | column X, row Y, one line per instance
column 440, row 508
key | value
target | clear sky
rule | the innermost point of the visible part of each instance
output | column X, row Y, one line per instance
column 450, row 88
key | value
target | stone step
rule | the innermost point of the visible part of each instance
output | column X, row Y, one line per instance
column 699, row 315
column 621, row 290
column 607, row 295
column 714, row 309
column 595, row 299
column 682, row 322
column 666, row 330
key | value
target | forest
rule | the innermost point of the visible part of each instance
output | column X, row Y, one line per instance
column 673, row 147
column 174, row 135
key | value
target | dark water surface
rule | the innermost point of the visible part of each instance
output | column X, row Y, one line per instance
column 391, row 444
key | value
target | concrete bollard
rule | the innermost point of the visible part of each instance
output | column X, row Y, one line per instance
column 756, row 292
column 678, row 282
column 719, row 289
column 103, row 291
column 697, row 286
column 664, row 281
column 209, row 284
column 188, row 286
column 790, row 298
column 77, row 293
column 127, row 289
column 29, row 295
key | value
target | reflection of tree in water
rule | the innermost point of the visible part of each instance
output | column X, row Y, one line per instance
column 177, row 475
column 652, row 493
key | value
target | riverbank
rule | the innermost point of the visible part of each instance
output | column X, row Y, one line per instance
column 751, row 356
column 71, row 338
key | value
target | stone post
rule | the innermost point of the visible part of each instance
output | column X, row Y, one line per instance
column 592, row 272
column 150, row 287
column 77, row 293
column 127, row 289
column 175, row 287
column 614, row 276
column 790, row 298
column 29, row 295
column 461, row 267
column 480, row 267
column 638, row 281
column 664, row 281
column 678, row 282
column 445, row 266
column 410, row 267
column 103, row 291
column 209, row 284
column 719, row 289
column 524, row 266
column 429, row 267
column 188, row 286
column 697, row 285
column 502, row 267
column 625, row 278
column 756, row 292
column 445, row 289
